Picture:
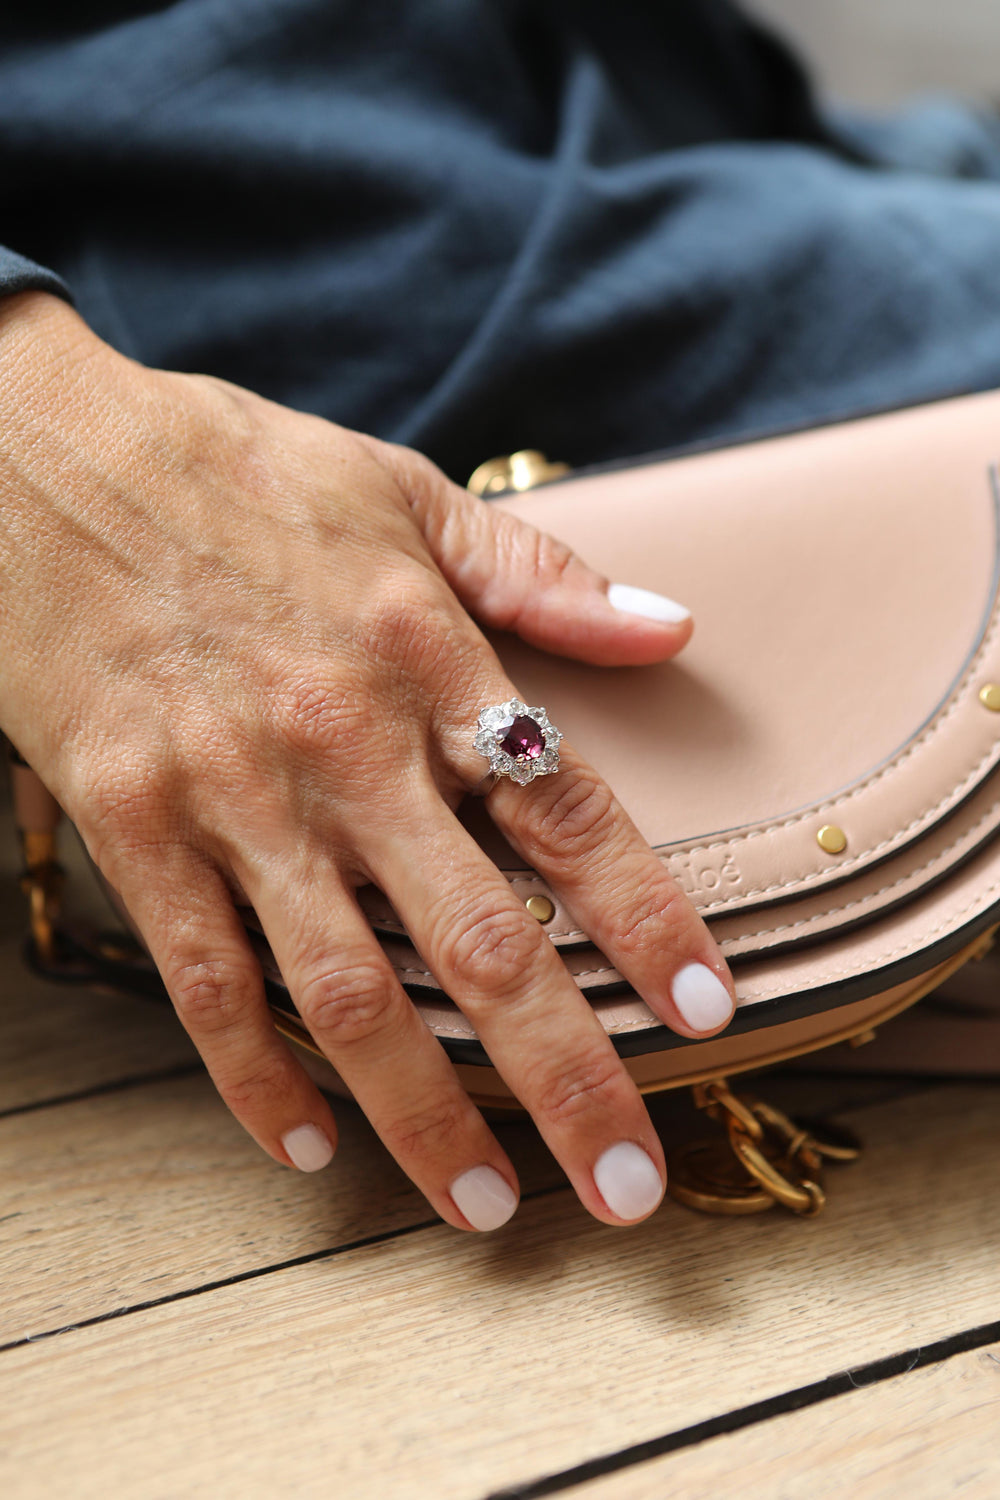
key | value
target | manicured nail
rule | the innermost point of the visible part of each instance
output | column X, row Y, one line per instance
column 484, row 1197
column 308, row 1147
column 701, row 997
column 628, row 1181
column 641, row 602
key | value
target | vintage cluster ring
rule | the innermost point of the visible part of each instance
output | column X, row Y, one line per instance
column 519, row 741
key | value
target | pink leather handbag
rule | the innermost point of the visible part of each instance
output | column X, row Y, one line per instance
column 818, row 769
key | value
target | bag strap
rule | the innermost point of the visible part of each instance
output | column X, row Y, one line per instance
column 37, row 816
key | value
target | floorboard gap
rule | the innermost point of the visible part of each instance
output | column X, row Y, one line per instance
column 749, row 1416
column 254, row 1274
column 97, row 1090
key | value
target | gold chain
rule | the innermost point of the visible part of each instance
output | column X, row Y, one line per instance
column 42, row 884
column 766, row 1158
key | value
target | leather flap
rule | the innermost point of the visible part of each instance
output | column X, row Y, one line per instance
column 844, row 588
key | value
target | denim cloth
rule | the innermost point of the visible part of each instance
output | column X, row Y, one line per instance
column 479, row 225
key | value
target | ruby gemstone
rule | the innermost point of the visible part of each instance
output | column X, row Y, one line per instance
column 522, row 737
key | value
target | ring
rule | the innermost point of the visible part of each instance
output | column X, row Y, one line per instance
column 518, row 741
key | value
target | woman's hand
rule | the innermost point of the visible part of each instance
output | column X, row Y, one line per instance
column 236, row 646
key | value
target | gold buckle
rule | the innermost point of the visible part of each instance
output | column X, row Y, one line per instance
column 518, row 471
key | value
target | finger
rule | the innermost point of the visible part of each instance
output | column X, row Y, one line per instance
column 572, row 829
column 359, row 1015
column 495, row 962
column 511, row 576
column 186, row 915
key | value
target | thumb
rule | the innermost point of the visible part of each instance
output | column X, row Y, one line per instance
column 511, row 576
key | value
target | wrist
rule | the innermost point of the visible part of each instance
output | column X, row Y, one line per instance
column 45, row 346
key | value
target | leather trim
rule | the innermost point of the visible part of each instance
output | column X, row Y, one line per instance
column 930, row 777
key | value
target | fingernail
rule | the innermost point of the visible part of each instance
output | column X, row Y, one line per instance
column 308, row 1147
column 701, row 997
column 642, row 602
column 485, row 1198
column 628, row 1181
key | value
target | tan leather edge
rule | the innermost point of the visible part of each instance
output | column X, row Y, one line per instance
column 963, row 720
column 658, row 1071
column 879, row 891
column 967, row 897
column 945, row 759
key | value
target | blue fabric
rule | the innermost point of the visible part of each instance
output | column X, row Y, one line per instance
column 478, row 225
column 18, row 274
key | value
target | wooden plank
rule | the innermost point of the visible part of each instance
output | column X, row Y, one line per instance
column 156, row 1189
column 438, row 1364
column 56, row 1040
column 928, row 1434
column 142, row 1194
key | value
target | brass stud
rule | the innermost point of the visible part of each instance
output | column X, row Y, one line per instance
column 989, row 697
column 832, row 839
column 541, row 908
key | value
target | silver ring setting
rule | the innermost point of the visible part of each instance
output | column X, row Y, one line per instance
column 519, row 742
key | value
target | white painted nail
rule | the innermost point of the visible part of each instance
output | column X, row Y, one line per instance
column 642, row 602
column 485, row 1198
column 309, row 1149
column 628, row 1181
column 701, row 997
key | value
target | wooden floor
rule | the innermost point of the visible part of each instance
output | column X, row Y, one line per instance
column 180, row 1317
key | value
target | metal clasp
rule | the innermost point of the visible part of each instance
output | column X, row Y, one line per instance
column 518, row 471
column 765, row 1159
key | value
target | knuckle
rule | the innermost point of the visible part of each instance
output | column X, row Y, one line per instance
column 410, row 626
column 574, row 819
column 420, row 480
column 492, row 952
column 531, row 556
column 261, row 1091
column 349, row 1004
column 316, row 713
column 552, row 558
column 425, row 1134
column 127, row 810
column 209, row 994
column 660, row 922
column 579, row 1087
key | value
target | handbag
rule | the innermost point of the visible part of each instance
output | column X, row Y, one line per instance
column 817, row 769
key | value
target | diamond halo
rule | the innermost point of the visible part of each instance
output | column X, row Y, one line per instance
column 519, row 742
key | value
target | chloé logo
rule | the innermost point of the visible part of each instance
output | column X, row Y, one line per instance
column 705, row 872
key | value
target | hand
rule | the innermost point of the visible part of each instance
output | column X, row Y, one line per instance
column 236, row 648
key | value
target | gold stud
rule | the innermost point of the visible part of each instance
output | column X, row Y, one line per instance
column 989, row 697
column 832, row 839
column 541, row 908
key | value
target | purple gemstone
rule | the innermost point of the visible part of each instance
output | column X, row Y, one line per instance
column 522, row 737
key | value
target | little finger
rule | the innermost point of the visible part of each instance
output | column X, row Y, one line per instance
column 187, row 918
column 359, row 1015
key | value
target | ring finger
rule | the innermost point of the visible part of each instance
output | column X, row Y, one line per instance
column 570, row 827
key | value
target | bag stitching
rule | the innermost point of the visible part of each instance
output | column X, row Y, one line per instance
column 804, row 882
column 909, row 947
column 762, row 932
column 933, row 729
column 873, row 895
